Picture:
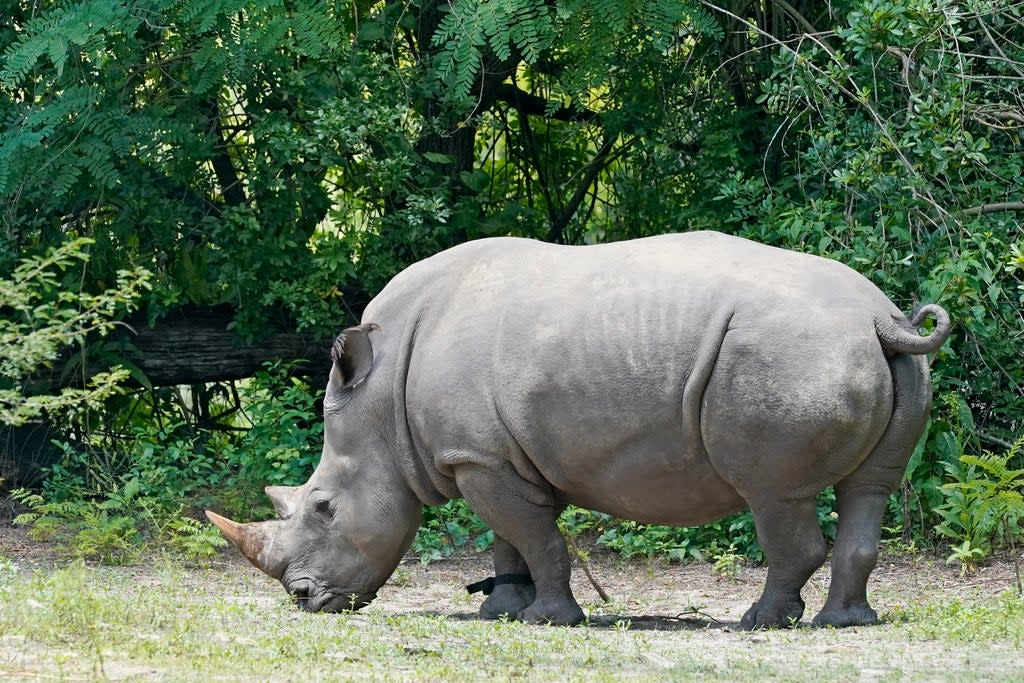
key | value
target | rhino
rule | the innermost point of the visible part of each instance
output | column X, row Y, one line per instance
column 670, row 380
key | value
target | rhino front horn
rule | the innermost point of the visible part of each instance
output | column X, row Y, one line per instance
column 255, row 541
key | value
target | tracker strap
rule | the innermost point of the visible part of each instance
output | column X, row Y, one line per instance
column 488, row 585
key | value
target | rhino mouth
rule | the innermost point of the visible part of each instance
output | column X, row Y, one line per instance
column 311, row 599
column 346, row 602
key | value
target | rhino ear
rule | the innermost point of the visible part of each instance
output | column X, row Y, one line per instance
column 352, row 354
column 284, row 498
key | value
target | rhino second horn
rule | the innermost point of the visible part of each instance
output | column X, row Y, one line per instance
column 255, row 541
column 284, row 499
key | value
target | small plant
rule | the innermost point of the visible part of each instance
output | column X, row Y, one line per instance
column 8, row 572
column 194, row 540
column 100, row 531
column 984, row 506
column 968, row 556
column 112, row 539
column 728, row 564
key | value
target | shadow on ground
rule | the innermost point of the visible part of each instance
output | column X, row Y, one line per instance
column 686, row 621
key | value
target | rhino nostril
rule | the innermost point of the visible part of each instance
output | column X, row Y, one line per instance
column 300, row 593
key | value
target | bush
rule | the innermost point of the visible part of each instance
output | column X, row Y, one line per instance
column 111, row 501
column 448, row 528
column 984, row 506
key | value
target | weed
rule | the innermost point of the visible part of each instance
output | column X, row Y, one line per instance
column 8, row 572
column 728, row 564
column 1001, row 618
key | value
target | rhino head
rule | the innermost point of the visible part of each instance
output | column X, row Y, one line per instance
column 342, row 533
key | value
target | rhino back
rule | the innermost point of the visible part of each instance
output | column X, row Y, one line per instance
column 586, row 367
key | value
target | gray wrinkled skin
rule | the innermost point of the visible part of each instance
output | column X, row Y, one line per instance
column 671, row 380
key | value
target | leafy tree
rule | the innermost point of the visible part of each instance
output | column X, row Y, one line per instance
column 284, row 159
column 41, row 316
column 906, row 129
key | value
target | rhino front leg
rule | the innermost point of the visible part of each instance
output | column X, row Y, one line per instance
column 525, row 516
column 791, row 539
column 508, row 599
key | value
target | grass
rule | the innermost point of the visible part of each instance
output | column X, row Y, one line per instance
column 168, row 622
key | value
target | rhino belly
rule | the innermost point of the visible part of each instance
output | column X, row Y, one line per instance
column 656, row 477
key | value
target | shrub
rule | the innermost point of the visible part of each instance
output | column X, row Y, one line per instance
column 984, row 506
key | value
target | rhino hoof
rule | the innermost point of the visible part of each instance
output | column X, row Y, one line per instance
column 563, row 615
column 772, row 615
column 855, row 615
column 507, row 600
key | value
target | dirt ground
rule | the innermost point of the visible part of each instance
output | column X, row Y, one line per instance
column 653, row 594
column 696, row 611
column 650, row 593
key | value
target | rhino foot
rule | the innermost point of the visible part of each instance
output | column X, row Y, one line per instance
column 560, row 614
column 776, row 614
column 857, row 614
column 508, row 600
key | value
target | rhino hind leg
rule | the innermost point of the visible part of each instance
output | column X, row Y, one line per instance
column 789, row 534
column 862, row 495
column 525, row 516
column 854, row 556
column 508, row 600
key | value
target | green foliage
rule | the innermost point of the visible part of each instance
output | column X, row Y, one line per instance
column 965, row 620
column 193, row 539
column 112, row 503
column 105, row 532
column 192, row 120
column 281, row 446
column 448, row 528
column 40, row 317
column 500, row 26
column 984, row 506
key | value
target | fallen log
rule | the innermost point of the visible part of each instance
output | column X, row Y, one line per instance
column 195, row 346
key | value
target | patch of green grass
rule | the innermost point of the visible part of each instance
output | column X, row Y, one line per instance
column 984, row 618
column 171, row 623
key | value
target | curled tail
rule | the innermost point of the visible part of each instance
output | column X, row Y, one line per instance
column 899, row 335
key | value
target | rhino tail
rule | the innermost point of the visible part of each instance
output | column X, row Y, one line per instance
column 899, row 334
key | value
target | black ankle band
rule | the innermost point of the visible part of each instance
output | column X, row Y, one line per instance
column 488, row 585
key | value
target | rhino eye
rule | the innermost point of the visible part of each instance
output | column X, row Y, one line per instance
column 323, row 507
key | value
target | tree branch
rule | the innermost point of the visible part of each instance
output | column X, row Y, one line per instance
column 532, row 105
column 223, row 167
column 597, row 164
column 799, row 18
column 995, row 207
